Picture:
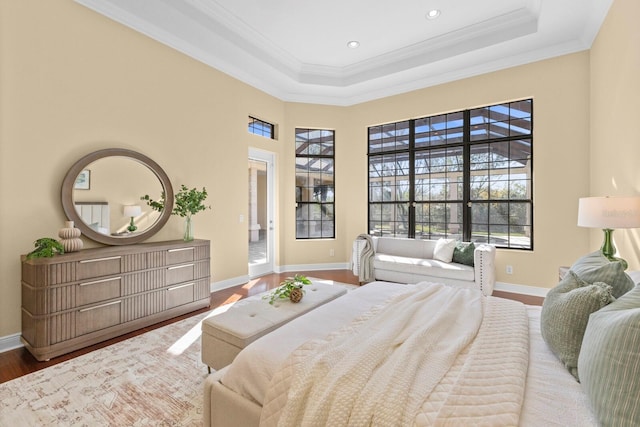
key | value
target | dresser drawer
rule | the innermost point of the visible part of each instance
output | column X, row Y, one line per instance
column 98, row 290
column 97, row 267
column 180, row 273
column 180, row 255
column 98, row 317
column 180, row 295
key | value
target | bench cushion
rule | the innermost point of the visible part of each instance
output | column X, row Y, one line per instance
column 225, row 334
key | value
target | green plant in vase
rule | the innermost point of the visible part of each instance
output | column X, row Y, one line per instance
column 188, row 202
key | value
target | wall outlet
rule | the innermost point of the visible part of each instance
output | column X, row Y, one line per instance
column 509, row 269
column 331, row 252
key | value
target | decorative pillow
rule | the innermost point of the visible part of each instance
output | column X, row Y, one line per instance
column 609, row 361
column 565, row 313
column 595, row 267
column 444, row 250
column 463, row 253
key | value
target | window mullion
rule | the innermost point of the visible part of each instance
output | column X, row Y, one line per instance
column 412, row 183
column 466, row 177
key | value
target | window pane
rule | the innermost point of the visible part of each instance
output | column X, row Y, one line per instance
column 315, row 186
column 495, row 180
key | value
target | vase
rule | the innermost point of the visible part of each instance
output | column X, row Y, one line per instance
column 70, row 237
column 188, row 229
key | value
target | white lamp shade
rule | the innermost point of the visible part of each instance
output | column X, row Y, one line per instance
column 609, row 212
column 132, row 210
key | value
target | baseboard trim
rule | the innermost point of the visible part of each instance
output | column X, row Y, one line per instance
column 521, row 289
column 314, row 267
column 229, row 283
column 10, row 342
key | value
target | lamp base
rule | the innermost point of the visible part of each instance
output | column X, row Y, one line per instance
column 132, row 227
column 609, row 250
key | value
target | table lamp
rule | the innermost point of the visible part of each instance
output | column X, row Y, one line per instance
column 609, row 213
column 132, row 211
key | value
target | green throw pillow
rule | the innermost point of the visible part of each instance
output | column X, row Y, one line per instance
column 463, row 253
column 609, row 361
column 565, row 313
column 594, row 267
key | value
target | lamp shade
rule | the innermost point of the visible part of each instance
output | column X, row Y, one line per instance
column 609, row 212
column 132, row 210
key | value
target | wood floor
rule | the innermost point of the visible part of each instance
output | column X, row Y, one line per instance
column 19, row 362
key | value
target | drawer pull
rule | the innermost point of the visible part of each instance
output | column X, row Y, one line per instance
column 86, row 261
column 180, row 266
column 95, row 282
column 181, row 249
column 99, row 306
column 175, row 288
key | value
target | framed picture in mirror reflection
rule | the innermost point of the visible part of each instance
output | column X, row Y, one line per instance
column 83, row 180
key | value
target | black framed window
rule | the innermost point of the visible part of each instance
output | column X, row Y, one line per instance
column 262, row 128
column 315, row 184
column 465, row 175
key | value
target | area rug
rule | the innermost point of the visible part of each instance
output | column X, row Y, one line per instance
column 154, row 379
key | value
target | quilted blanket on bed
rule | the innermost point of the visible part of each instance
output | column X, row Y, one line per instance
column 427, row 357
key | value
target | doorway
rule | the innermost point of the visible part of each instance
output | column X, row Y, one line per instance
column 261, row 230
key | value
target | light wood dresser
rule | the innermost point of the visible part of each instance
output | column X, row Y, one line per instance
column 77, row 299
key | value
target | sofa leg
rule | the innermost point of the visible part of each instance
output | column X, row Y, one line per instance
column 209, row 369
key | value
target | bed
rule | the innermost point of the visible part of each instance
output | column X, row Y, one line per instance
column 523, row 383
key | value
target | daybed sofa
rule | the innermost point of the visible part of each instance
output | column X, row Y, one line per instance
column 405, row 260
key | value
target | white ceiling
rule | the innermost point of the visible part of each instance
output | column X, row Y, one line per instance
column 297, row 50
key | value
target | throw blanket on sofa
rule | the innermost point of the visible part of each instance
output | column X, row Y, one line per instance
column 362, row 258
column 381, row 369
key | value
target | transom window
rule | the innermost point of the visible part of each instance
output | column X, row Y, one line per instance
column 262, row 128
column 315, row 184
column 464, row 175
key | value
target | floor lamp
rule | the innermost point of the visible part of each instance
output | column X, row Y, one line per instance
column 609, row 213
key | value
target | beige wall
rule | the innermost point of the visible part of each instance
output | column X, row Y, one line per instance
column 615, row 112
column 72, row 81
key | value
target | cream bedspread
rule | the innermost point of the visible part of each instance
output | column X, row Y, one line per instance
column 421, row 358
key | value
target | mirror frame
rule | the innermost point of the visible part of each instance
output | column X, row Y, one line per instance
column 69, row 206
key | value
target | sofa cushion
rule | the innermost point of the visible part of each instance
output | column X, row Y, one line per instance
column 423, row 267
column 464, row 253
column 609, row 361
column 444, row 250
column 403, row 246
column 565, row 313
column 595, row 267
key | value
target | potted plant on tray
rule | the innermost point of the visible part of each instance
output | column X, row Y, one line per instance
column 290, row 288
column 188, row 202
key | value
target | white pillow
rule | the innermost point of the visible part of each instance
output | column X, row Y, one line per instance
column 444, row 250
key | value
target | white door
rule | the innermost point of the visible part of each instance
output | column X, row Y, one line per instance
column 261, row 212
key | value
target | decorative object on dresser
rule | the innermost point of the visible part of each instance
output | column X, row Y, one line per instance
column 609, row 213
column 82, row 298
column 70, row 237
column 46, row 247
column 92, row 209
column 188, row 202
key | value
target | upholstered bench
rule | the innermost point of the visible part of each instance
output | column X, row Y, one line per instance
column 225, row 334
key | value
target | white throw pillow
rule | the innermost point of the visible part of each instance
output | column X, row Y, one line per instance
column 444, row 250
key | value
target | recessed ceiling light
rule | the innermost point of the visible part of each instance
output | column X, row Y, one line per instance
column 353, row 44
column 433, row 14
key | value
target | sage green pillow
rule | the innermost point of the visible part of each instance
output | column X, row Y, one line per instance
column 609, row 361
column 595, row 267
column 565, row 313
column 463, row 253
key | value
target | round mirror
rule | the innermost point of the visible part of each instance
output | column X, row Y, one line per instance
column 101, row 195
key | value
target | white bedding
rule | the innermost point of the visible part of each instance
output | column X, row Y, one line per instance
column 552, row 396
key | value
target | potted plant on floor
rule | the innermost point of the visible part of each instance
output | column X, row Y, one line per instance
column 188, row 202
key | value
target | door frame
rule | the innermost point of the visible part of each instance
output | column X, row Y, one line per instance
column 269, row 267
